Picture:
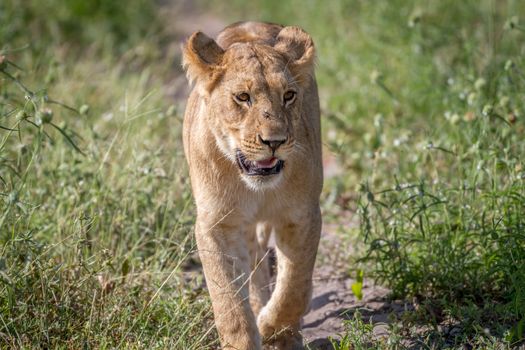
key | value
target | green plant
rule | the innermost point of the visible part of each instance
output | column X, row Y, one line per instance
column 95, row 210
column 359, row 335
column 423, row 106
column 108, row 25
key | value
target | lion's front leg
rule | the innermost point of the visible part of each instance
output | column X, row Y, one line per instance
column 224, row 256
column 260, row 266
column 279, row 320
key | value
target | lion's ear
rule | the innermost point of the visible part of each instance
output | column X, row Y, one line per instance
column 201, row 58
column 298, row 46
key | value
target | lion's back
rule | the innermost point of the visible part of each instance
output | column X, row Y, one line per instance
column 244, row 32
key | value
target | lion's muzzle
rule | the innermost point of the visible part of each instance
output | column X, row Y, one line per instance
column 266, row 167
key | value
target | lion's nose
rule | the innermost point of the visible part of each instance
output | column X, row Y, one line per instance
column 273, row 144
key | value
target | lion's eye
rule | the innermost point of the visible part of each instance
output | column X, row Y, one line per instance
column 289, row 96
column 242, row 97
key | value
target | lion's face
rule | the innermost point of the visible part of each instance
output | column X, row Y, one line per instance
column 253, row 94
column 256, row 109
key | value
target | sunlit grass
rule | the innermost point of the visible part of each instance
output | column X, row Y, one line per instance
column 96, row 212
column 422, row 106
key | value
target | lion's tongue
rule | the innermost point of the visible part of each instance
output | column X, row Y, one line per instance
column 266, row 163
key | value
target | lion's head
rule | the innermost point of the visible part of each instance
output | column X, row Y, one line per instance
column 253, row 91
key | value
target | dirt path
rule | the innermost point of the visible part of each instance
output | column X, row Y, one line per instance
column 333, row 301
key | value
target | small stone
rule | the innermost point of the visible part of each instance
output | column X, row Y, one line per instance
column 381, row 330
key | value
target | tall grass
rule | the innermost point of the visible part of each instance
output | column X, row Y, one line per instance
column 95, row 210
column 109, row 25
column 423, row 106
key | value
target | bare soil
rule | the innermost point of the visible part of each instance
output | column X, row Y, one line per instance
column 333, row 302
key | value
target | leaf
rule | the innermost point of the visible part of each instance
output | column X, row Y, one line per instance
column 517, row 332
column 357, row 286
column 125, row 267
column 67, row 138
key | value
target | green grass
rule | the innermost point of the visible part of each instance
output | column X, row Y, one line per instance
column 423, row 108
column 96, row 211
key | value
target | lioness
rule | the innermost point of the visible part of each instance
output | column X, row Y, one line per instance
column 253, row 145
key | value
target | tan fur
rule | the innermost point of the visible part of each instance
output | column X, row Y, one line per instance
column 235, row 212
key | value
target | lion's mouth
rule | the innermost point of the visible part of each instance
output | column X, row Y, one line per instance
column 270, row 166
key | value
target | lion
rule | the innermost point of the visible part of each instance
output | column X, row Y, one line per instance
column 252, row 140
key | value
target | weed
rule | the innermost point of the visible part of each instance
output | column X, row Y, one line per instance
column 95, row 209
column 422, row 105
